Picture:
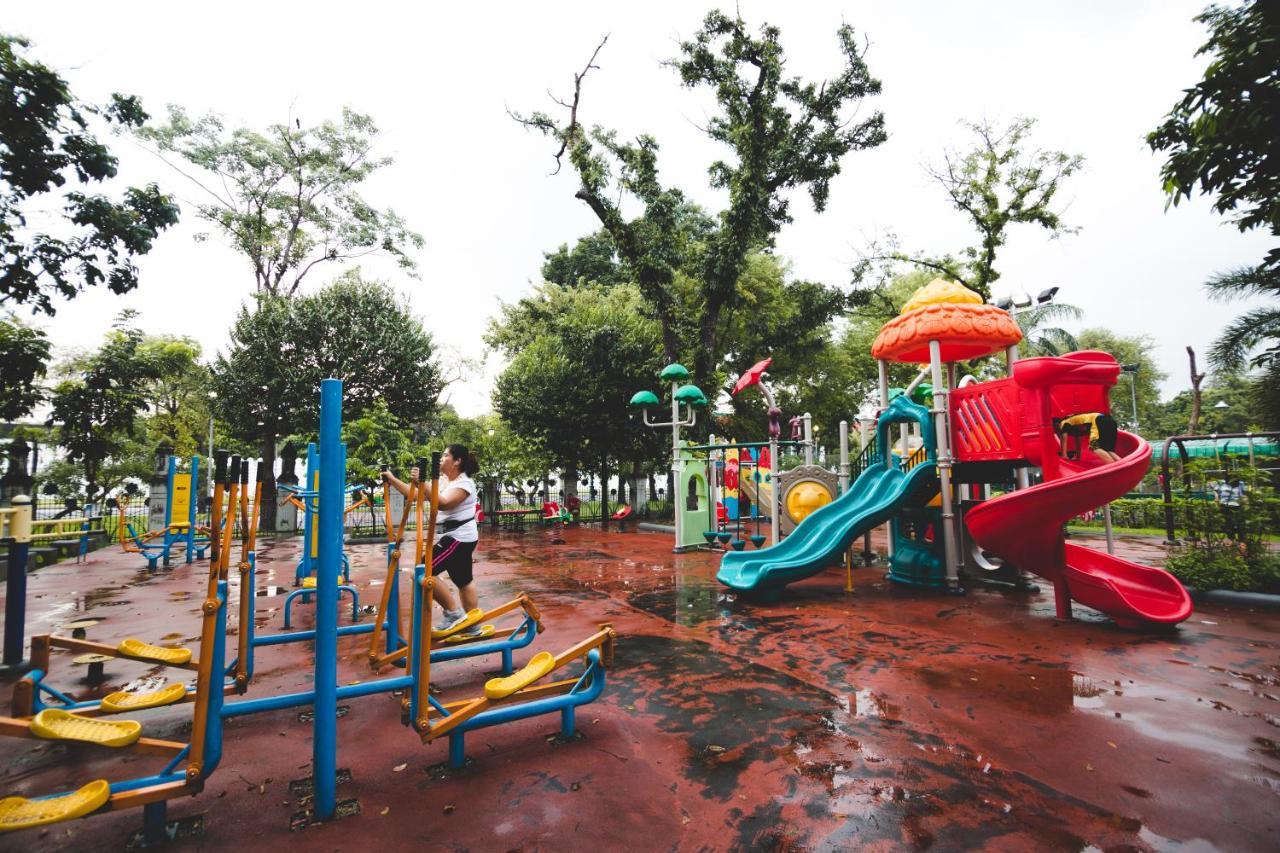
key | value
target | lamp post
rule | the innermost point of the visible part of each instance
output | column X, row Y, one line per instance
column 213, row 395
column 1132, row 371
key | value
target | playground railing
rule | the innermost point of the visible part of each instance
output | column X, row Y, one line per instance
column 986, row 424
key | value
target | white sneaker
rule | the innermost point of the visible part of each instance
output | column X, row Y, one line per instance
column 476, row 630
column 451, row 618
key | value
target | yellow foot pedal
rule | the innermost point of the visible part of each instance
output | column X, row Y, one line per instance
column 21, row 813
column 159, row 654
column 541, row 664
column 472, row 617
column 115, row 703
column 309, row 582
column 486, row 631
column 56, row 724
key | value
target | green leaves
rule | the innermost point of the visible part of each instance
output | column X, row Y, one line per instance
column 1220, row 137
column 782, row 133
column 288, row 198
column 45, row 142
column 24, row 357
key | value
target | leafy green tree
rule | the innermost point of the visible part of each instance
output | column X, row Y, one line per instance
column 96, row 408
column 783, row 134
column 47, row 145
column 1136, row 350
column 593, row 258
column 288, row 199
column 576, row 357
column 1221, row 138
column 998, row 183
column 355, row 330
column 1222, row 135
column 1243, row 412
column 374, row 439
column 24, row 359
column 178, row 394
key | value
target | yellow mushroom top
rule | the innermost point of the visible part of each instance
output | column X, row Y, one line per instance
column 938, row 291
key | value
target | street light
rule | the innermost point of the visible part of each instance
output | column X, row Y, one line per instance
column 1046, row 295
column 208, row 462
column 1132, row 371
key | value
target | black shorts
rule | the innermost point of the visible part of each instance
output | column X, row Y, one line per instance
column 453, row 557
column 1107, row 433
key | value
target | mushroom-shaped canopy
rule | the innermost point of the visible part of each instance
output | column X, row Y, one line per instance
column 674, row 373
column 644, row 398
column 691, row 395
column 955, row 317
column 752, row 376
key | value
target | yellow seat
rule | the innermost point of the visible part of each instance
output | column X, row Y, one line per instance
column 57, row 724
column 21, row 813
column 138, row 649
column 121, row 701
column 472, row 617
column 541, row 664
column 309, row 582
column 486, row 631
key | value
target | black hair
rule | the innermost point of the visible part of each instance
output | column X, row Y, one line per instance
column 468, row 463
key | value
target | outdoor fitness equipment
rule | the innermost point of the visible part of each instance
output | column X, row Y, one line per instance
column 517, row 696
column 179, row 520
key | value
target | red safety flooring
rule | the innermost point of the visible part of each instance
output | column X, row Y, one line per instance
column 884, row 719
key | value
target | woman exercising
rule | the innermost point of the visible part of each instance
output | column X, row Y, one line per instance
column 457, row 533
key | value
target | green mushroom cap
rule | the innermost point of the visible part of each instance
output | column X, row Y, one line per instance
column 691, row 395
column 644, row 398
column 674, row 373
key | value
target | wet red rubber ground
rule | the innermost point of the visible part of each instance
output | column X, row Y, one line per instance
column 884, row 719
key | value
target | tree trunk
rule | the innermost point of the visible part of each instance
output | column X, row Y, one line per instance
column 1196, row 378
column 604, row 493
column 569, row 481
column 267, row 516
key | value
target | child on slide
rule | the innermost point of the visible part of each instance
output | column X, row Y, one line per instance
column 1101, row 430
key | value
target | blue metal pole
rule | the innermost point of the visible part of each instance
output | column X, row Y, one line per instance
column 191, row 508
column 332, row 478
column 168, row 511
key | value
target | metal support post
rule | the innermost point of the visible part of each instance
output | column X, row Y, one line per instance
column 942, row 428
column 329, row 518
column 15, row 604
column 808, row 438
column 885, row 452
column 844, row 457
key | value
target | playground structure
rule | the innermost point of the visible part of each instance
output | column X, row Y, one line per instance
column 178, row 525
column 944, row 524
column 710, row 491
column 516, row 695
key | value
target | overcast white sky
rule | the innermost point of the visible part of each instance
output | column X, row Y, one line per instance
column 438, row 80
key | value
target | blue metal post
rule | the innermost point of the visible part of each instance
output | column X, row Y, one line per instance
column 393, row 608
column 191, row 508
column 169, row 537
column 332, row 477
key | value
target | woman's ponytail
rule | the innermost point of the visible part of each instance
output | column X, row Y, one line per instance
column 466, row 461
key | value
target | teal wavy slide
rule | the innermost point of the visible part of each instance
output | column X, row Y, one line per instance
column 820, row 540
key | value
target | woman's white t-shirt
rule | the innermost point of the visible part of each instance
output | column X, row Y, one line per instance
column 468, row 532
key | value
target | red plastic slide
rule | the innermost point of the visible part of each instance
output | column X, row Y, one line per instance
column 1025, row 528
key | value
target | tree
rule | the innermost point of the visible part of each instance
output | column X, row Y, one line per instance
column 355, row 330
column 996, row 184
column 576, row 357
column 1241, row 414
column 288, row 199
column 783, row 134
column 24, row 358
column 1131, row 350
column 96, row 408
column 592, row 259
column 46, row 145
column 1221, row 137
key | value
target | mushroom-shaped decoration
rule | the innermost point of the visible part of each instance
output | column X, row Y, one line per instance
column 644, row 398
column 751, row 376
column 955, row 317
column 690, row 395
column 674, row 373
